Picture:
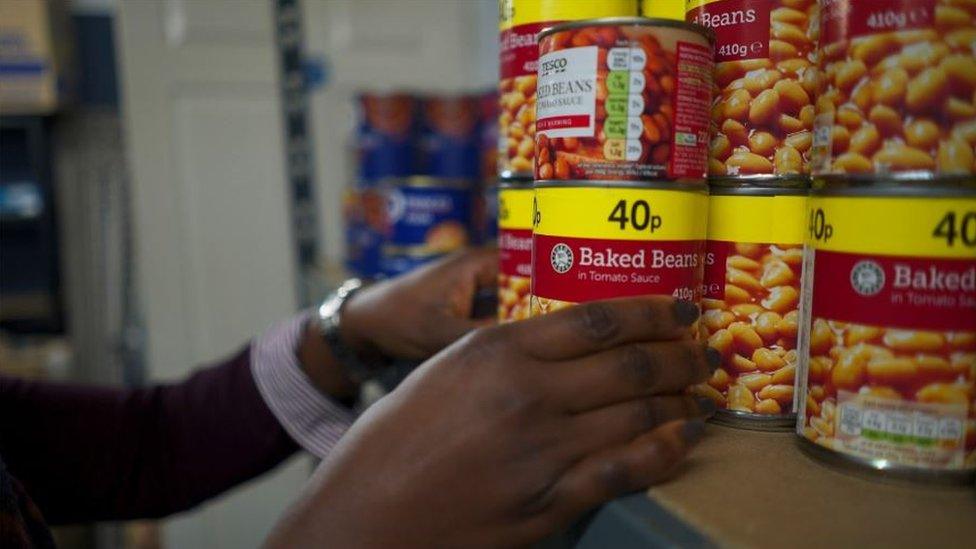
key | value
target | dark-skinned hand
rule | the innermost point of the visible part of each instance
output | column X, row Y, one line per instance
column 513, row 432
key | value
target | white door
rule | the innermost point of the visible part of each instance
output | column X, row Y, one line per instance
column 199, row 82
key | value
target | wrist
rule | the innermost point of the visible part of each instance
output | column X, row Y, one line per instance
column 353, row 323
column 319, row 363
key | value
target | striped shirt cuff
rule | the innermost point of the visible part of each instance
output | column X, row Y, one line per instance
column 312, row 419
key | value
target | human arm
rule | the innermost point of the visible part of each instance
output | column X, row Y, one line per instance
column 88, row 453
column 514, row 431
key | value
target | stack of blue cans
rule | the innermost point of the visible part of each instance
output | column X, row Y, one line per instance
column 417, row 192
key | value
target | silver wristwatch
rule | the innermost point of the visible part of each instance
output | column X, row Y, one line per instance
column 328, row 319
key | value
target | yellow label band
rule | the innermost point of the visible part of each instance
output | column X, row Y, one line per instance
column 779, row 219
column 911, row 226
column 515, row 208
column 666, row 9
column 617, row 213
column 512, row 13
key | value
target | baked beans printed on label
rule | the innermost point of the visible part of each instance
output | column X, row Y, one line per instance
column 623, row 102
column 751, row 301
column 899, row 88
column 520, row 22
column 514, row 252
column 592, row 243
column 889, row 353
column 765, row 84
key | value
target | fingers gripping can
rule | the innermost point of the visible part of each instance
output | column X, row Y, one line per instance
column 888, row 342
column 520, row 21
column 765, row 84
column 595, row 241
column 623, row 99
column 514, row 249
column 753, row 263
column 899, row 78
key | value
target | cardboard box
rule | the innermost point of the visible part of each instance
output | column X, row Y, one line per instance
column 35, row 49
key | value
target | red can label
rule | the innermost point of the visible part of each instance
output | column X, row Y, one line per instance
column 520, row 22
column 514, row 252
column 888, row 353
column 844, row 20
column 592, row 243
column 623, row 102
column 897, row 88
column 741, row 27
column 766, row 82
column 753, row 267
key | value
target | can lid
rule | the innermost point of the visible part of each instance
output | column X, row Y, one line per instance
column 907, row 184
column 706, row 32
column 426, row 181
column 690, row 186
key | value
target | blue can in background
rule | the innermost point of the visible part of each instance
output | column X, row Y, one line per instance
column 385, row 140
column 426, row 215
column 397, row 261
column 450, row 133
column 365, row 229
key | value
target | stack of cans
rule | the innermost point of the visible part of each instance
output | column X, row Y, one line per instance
column 762, row 118
column 888, row 334
column 622, row 140
column 520, row 22
column 415, row 194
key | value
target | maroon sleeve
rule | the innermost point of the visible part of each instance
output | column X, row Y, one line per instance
column 88, row 453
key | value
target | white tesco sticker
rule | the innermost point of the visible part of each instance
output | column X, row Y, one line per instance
column 566, row 94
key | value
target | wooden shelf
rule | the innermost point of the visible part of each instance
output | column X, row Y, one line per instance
column 754, row 489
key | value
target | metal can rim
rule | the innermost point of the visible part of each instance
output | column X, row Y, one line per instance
column 662, row 22
column 514, row 174
column 862, row 467
column 515, row 183
column 781, row 423
column 758, row 191
column 425, row 181
column 797, row 181
column 622, row 183
column 884, row 185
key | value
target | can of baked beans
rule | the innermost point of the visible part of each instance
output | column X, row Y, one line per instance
column 750, row 301
column 519, row 22
column 888, row 335
column 899, row 82
column 597, row 240
column 426, row 216
column 515, row 201
column 623, row 99
column 666, row 9
column 765, row 84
